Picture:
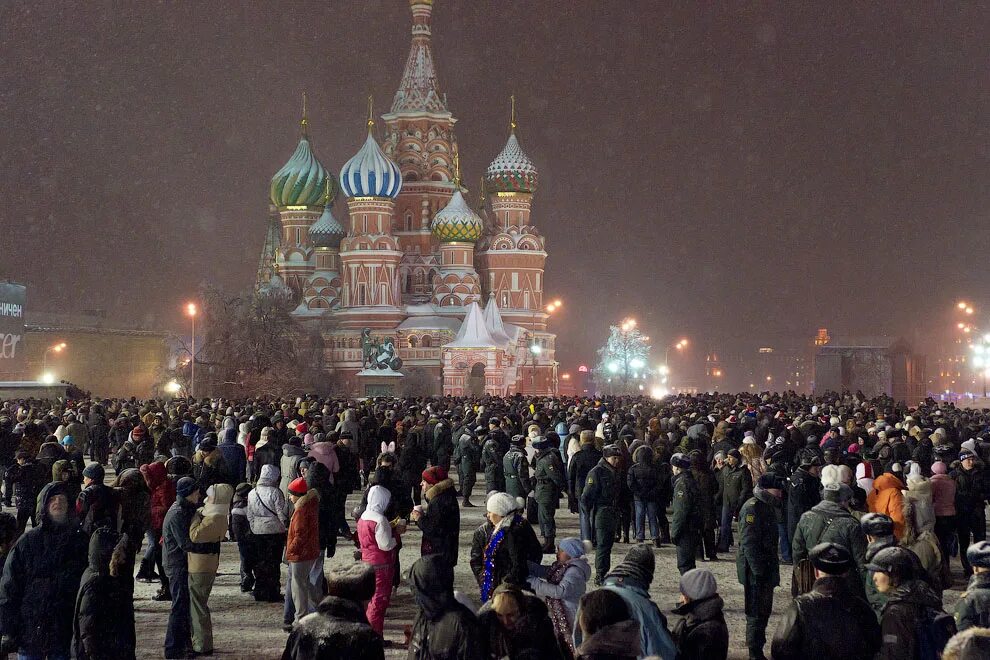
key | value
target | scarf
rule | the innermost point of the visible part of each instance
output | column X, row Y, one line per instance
column 558, row 613
column 488, row 577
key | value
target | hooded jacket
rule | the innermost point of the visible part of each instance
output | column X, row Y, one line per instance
column 176, row 543
column 702, row 634
column 40, row 581
column 234, row 458
column 162, row 492
column 103, row 623
column 375, row 533
column 573, row 584
column 631, row 579
column 135, row 508
column 266, row 452
column 943, row 495
column 643, row 478
column 444, row 629
column 289, row 469
column 209, row 527
column 886, row 497
column 266, row 509
column 318, row 477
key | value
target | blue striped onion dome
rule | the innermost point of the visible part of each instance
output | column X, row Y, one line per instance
column 326, row 232
column 370, row 173
column 302, row 181
column 457, row 222
column 512, row 170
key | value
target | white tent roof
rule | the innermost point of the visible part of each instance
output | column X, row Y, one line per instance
column 473, row 332
column 493, row 323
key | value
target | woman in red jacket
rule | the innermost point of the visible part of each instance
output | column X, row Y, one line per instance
column 162, row 496
column 378, row 548
column 302, row 549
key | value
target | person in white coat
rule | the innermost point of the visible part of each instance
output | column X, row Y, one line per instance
column 268, row 517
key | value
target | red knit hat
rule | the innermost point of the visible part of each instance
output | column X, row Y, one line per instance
column 298, row 486
column 138, row 431
column 434, row 475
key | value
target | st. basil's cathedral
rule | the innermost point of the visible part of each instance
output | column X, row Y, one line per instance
column 456, row 292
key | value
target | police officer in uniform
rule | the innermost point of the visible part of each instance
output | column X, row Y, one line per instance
column 515, row 466
column 548, row 472
column 973, row 608
column 687, row 517
column 491, row 458
column 600, row 496
column 757, row 564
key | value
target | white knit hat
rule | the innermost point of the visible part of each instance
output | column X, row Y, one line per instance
column 502, row 504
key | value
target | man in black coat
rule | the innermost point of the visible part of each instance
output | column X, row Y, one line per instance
column 27, row 477
column 830, row 621
column 440, row 519
column 40, row 580
column 98, row 505
column 599, row 498
column 578, row 468
column 339, row 628
column 444, row 628
column 803, row 492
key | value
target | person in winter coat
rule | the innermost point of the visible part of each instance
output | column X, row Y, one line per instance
column 702, row 633
column 736, row 488
column 550, row 481
column 467, row 458
column 944, row 505
column 972, row 489
column 886, row 498
column 973, row 607
column 439, row 518
column 177, row 545
column 577, row 478
column 631, row 580
column 27, row 478
column 209, row 466
column 125, row 458
column 757, row 565
column 240, row 531
column 234, row 458
column 803, row 492
column 207, row 528
column 41, row 578
column 561, row 585
column 830, row 621
column 607, row 628
column 318, row 477
column 919, row 531
column 492, row 452
column 338, row 629
column 302, row 548
column 516, row 624
column 515, row 466
column 444, row 629
column 378, row 547
column 103, row 622
column 97, row 505
column 135, row 511
column 830, row 521
column 268, row 518
column 162, row 497
column 910, row 602
column 643, row 481
column 510, row 548
column 266, row 452
column 687, row 517
column 64, row 471
column 292, row 453
column 479, row 541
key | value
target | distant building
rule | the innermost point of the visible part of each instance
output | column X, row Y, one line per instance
column 873, row 365
column 99, row 357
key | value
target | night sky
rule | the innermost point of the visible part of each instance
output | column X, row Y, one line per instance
column 731, row 174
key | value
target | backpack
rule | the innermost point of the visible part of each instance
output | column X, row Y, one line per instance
column 933, row 632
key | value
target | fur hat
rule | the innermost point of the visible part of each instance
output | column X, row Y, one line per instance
column 831, row 558
column 354, row 582
column 434, row 475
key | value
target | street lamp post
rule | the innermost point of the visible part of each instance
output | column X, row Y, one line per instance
column 534, row 347
column 191, row 311
column 58, row 348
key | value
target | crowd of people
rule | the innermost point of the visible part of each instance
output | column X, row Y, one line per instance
column 865, row 503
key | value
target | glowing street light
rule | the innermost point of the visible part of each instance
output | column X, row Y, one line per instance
column 48, row 378
column 172, row 387
column 191, row 312
column 962, row 304
column 55, row 348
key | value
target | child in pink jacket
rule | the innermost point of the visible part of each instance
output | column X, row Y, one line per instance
column 378, row 548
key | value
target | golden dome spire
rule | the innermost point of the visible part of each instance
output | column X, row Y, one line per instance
column 371, row 113
column 512, row 113
column 304, row 123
